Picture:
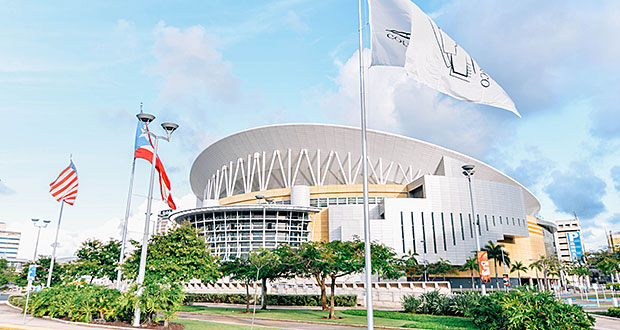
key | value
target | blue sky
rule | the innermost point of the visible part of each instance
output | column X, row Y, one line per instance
column 72, row 76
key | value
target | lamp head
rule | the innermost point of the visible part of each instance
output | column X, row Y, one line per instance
column 35, row 220
column 269, row 200
column 169, row 128
column 259, row 197
column 468, row 167
column 146, row 118
column 47, row 221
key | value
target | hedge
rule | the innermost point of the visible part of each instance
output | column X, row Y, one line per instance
column 613, row 312
column 614, row 286
column 347, row 300
column 18, row 300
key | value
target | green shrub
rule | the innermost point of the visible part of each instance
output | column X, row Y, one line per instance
column 18, row 300
column 272, row 299
column 411, row 303
column 613, row 312
column 528, row 310
column 461, row 304
column 434, row 303
column 614, row 286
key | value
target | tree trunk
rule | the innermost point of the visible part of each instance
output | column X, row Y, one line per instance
column 472, row 278
column 166, row 323
column 247, row 297
column 264, row 292
column 545, row 279
column 321, row 282
column 496, row 276
column 519, row 276
column 332, row 308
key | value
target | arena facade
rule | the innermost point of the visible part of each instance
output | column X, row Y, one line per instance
column 297, row 182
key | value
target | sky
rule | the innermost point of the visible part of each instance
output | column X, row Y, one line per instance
column 73, row 75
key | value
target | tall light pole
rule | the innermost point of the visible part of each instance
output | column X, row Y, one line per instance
column 39, row 225
column 468, row 171
column 34, row 259
column 425, row 267
column 504, row 264
column 169, row 128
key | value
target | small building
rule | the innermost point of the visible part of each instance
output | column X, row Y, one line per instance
column 9, row 243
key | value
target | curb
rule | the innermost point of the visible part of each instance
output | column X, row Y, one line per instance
column 605, row 317
column 300, row 321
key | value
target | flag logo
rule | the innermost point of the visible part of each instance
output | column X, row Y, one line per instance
column 64, row 188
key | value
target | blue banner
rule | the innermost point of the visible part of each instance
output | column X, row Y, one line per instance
column 574, row 245
column 32, row 270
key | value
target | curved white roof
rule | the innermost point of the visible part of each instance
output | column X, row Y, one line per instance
column 278, row 156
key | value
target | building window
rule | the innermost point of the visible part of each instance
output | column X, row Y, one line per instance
column 486, row 222
column 519, row 221
column 443, row 232
column 462, row 227
column 402, row 230
column 471, row 226
column 453, row 235
column 434, row 237
column 413, row 233
column 500, row 220
column 478, row 225
column 513, row 221
column 423, row 233
column 493, row 217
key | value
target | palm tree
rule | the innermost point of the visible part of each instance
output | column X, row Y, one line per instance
column 518, row 267
column 537, row 266
column 494, row 251
column 471, row 264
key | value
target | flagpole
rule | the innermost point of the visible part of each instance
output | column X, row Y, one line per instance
column 367, row 258
column 49, row 274
column 119, row 273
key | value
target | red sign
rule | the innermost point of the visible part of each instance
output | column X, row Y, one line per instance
column 483, row 266
column 506, row 280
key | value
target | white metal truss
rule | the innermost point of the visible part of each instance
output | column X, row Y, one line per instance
column 270, row 170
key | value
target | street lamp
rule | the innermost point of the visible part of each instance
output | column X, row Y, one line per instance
column 468, row 172
column 169, row 128
column 39, row 225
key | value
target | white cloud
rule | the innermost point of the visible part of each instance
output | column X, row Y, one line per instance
column 189, row 65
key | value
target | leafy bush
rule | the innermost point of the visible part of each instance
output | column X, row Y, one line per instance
column 613, row 312
column 272, row 299
column 83, row 303
column 461, row 304
column 528, row 310
column 434, row 303
column 411, row 303
column 18, row 300
column 614, row 286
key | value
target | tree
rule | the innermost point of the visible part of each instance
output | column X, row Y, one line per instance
column 411, row 266
column 518, row 267
column 384, row 262
column 241, row 270
column 271, row 265
column 343, row 258
column 441, row 267
column 43, row 264
column 178, row 256
column 7, row 273
column 309, row 261
column 536, row 265
column 471, row 264
column 95, row 259
column 606, row 262
column 494, row 251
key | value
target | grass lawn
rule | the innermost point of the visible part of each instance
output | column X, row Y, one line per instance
column 382, row 318
column 201, row 325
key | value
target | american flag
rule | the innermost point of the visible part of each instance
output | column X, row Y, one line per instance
column 64, row 188
column 144, row 149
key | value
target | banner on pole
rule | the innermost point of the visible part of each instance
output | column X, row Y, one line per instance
column 32, row 270
column 483, row 266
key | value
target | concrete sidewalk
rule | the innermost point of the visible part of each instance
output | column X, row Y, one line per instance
column 12, row 319
column 606, row 323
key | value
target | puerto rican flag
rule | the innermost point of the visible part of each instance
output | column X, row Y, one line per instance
column 144, row 149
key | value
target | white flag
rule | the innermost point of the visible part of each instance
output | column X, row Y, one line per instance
column 390, row 23
column 431, row 56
